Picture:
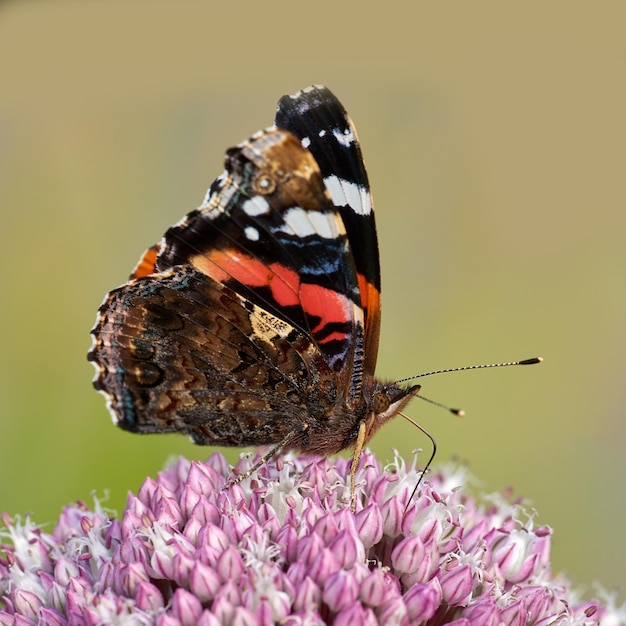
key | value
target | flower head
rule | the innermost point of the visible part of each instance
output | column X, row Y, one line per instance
column 284, row 547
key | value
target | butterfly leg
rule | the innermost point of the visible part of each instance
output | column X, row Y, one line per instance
column 266, row 457
column 358, row 448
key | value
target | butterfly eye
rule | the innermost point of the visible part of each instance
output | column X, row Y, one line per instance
column 264, row 184
column 380, row 402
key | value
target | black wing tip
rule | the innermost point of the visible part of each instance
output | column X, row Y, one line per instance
column 306, row 99
column 310, row 92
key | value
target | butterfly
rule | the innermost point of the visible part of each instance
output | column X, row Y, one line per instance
column 255, row 321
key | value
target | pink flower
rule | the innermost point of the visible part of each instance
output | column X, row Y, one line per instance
column 284, row 548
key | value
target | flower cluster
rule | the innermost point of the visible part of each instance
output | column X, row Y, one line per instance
column 284, row 547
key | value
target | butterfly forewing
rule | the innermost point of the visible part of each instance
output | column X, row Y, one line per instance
column 323, row 126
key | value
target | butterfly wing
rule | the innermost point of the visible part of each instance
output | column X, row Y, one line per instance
column 317, row 118
column 258, row 280
column 180, row 352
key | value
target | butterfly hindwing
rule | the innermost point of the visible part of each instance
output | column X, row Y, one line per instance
column 180, row 352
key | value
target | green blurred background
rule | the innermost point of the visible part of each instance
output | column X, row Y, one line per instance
column 494, row 135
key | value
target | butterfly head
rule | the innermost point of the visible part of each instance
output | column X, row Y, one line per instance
column 386, row 401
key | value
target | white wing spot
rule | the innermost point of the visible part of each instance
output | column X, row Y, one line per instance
column 305, row 223
column 306, row 142
column 256, row 206
column 343, row 193
column 346, row 139
column 251, row 233
column 322, row 133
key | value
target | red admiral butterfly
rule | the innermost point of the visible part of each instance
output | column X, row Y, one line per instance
column 256, row 319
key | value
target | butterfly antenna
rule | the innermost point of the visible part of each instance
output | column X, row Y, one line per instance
column 458, row 412
column 532, row 361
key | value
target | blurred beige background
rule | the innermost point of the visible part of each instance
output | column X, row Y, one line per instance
column 495, row 140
